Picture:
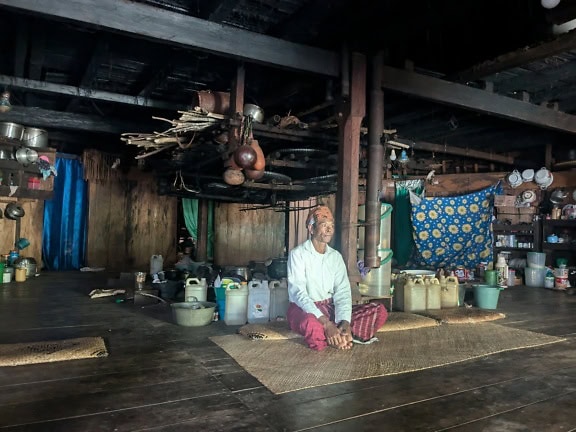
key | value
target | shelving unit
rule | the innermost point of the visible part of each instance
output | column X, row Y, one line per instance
column 564, row 229
column 523, row 233
column 14, row 173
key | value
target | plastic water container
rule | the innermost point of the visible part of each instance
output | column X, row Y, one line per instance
column 156, row 264
column 536, row 259
column 195, row 288
column 433, row 293
column 415, row 295
column 450, row 293
column 278, row 298
column 236, row 304
column 534, row 276
column 258, row 302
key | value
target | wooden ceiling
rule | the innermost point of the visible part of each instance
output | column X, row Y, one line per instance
column 462, row 79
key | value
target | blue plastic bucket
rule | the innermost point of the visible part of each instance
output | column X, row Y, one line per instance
column 486, row 296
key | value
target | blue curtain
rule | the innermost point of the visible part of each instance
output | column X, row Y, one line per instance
column 64, row 236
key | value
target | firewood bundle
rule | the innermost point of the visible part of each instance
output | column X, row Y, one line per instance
column 181, row 132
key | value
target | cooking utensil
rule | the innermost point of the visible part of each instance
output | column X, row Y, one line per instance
column 26, row 156
column 11, row 130
column 255, row 112
column 28, row 263
column 193, row 314
column 558, row 196
column 5, row 154
column 278, row 268
column 14, row 211
column 35, row 137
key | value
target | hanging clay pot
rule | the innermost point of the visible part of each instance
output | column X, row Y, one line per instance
column 260, row 162
column 233, row 177
column 254, row 174
column 245, row 156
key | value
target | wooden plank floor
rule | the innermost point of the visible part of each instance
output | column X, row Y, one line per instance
column 162, row 377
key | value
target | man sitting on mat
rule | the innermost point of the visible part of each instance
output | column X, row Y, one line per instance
column 320, row 296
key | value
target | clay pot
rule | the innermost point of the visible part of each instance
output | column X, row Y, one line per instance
column 260, row 162
column 233, row 177
column 245, row 156
column 254, row 174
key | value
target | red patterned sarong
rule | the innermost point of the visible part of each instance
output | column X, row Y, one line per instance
column 366, row 320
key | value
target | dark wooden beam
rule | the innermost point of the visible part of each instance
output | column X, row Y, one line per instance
column 43, row 118
column 222, row 10
column 474, row 99
column 66, row 90
column 182, row 30
column 459, row 151
column 560, row 44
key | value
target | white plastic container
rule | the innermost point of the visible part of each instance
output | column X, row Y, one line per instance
column 258, row 302
column 156, row 264
column 236, row 304
column 433, row 293
column 415, row 295
column 450, row 296
column 278, row 299
column 195, row 288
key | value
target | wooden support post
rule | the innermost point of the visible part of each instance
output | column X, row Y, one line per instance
column 236, row 109
column 350, row 116
column 202, row 231
column 548, row 157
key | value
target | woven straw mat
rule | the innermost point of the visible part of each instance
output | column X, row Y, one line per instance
column 52, row 351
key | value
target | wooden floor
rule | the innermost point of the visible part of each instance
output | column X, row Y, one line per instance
column 162, row 377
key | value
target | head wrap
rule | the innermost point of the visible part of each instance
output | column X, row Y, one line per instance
column 319, row 214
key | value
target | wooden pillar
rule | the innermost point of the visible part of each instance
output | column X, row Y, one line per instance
column 350, row 116
column 236, row 109
column 202, row 231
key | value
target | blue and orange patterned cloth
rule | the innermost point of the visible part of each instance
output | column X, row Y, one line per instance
column 452, row 231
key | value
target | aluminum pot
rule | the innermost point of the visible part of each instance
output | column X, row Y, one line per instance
column 25, row 155
column 14, row 211
column 27, row 262
column 11, row 130
column 255, row 112
column 34, row 137
column 233, row 271
column 5, row 154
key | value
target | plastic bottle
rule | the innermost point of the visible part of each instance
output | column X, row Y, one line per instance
column 156, row 264
column 258, row 302
column 236, row 304
column 279, row 301
column 195, row 288
column 502, row 269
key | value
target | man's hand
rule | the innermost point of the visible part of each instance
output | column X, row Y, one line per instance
column 335, row 335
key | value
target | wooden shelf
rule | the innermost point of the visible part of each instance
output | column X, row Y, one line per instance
column 515, row 249
column 528, row 228
column 22, row 192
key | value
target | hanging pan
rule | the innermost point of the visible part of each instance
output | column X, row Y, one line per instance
column 14, row 211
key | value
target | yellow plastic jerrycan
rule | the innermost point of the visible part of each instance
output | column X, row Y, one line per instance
column 450, row 293
column 433, row 293
column 415, row 295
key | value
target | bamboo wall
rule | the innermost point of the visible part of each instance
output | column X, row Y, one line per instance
column 244, row 236
column 31, row 226
column 128, row 222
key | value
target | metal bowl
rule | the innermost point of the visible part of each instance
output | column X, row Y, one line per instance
column 255, row 112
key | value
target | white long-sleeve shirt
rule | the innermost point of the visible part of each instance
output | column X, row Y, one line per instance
column 313, row 276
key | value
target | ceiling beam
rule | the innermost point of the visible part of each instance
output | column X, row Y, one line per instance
column 182, row 30
column 459, row 151
column 522, row 56
column 62, row 89
column 474, row 99
column 49, row 119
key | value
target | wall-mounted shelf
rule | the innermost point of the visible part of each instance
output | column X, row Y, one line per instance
column 523, row 233
column 565, row 229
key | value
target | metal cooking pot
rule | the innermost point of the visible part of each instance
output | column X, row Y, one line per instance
column 255, row 112
column 25, row 155
column 233, row 271
column 14, row 211
column 27, row 262
column 34, row 137
column 278, row 268
column 5, row 154
column 11, row 130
